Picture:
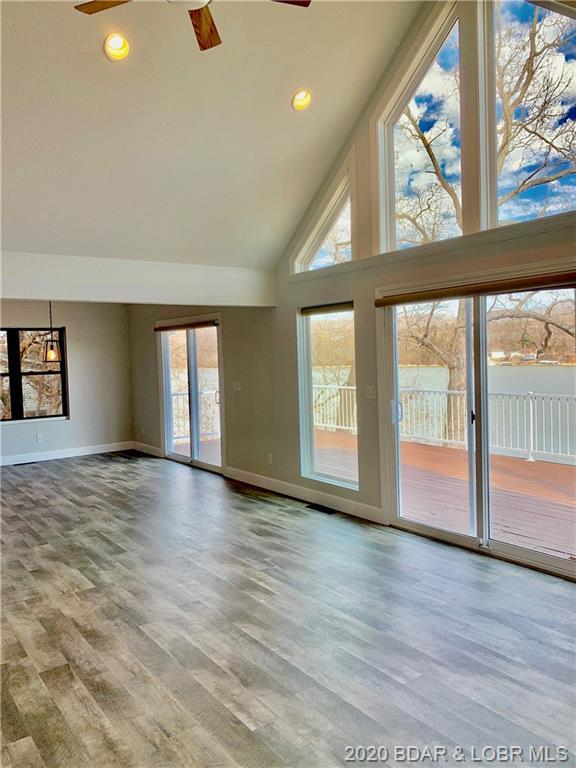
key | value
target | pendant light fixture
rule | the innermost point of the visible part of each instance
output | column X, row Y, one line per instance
column 51, row 345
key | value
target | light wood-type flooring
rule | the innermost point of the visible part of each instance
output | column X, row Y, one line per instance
column 156, row 615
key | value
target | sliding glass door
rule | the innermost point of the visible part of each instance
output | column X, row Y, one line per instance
column 484, row 414
column 531, row 403
column 192, row 402
column 433, row 412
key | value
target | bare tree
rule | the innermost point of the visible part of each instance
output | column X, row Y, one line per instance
column 532, row 91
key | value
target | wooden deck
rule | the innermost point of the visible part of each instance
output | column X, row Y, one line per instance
column 210, row 451
column 532, row 502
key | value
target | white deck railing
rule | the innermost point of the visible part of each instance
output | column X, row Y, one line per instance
column 334, row 407
column 521, row 423
column 209, row 415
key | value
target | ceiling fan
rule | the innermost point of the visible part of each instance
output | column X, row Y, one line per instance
column 200, row 15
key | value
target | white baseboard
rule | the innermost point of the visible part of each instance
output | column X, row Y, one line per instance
column 311, row 495
column 151, row 450
column 301, row 492
column 65, row 453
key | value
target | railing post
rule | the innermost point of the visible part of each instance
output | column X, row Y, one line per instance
column 530, row 427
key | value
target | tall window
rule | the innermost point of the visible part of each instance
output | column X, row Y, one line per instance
column 31, row 388
column 426, row 136
column 328, row 395
column 535, row 77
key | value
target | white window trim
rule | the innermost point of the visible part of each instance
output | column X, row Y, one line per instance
column 306, row 409
column 325, row 214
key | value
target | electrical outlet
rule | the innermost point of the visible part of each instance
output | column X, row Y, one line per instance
column 370, row 392
column 39, row 437
column 237, row 386
column 269, row 459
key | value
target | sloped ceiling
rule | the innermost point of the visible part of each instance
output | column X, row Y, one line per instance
column 175, row 155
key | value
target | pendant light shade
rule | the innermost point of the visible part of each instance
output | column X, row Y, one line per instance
column 52, row 343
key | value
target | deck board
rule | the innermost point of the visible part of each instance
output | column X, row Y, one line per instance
column 532, row 502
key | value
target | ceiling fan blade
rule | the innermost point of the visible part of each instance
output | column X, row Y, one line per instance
column 302, row 3
column 204, row 27
column 99, row 5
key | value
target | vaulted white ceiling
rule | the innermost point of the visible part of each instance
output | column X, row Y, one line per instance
column 176, row 155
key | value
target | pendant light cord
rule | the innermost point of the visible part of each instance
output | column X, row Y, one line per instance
column 50, row 311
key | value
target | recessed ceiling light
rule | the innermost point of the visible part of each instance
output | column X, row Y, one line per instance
column 116, row 47
column 301, row 100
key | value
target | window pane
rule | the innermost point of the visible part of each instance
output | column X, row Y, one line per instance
column 5, row 398
column 42, row 395
column 32, row 351
column 337, row 247
column 3, row 352
column 535, row 111
column 208, row 383
column 532, row 420
column 335, row 443
column 427, row 155
column 433, row 354
column 179, row 394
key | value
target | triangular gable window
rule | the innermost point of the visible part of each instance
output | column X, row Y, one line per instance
column 337, row 244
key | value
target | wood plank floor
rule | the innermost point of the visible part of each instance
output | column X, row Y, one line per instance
column 157, row 616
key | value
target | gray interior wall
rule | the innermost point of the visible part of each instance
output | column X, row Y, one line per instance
column 98, row 376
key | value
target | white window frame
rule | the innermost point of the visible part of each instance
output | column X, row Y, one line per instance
column 306, row 405
column 325, row 214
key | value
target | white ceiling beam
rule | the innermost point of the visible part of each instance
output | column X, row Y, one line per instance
column 81, row 278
